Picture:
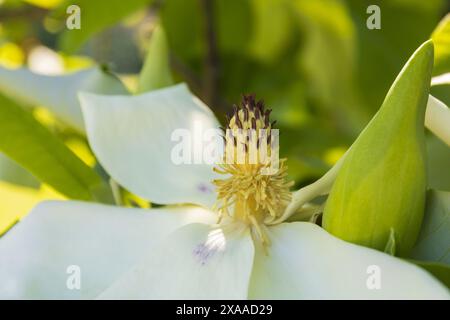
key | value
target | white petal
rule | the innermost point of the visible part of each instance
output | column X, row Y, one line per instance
column 437, row 119
column 441, row 79
column 195, row 262
column 58, row 93
column 104, row 241
column 306, row 262
column 131, row 137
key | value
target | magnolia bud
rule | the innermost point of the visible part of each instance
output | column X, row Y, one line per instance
column 380, row 189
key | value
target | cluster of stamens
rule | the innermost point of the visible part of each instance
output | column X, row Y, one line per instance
column 252, row 192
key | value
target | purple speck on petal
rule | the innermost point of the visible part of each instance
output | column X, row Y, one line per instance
column 204, row 188
column 202, row 253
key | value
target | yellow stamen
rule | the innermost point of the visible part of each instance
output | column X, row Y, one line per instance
column 246, row 194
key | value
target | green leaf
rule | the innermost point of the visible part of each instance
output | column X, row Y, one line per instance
column 382, row 182
column 441, row 39
column 434, row 239
column 439, row 270
column 31, row 145
column 95, row 16
column 58, row 93
column 156, row 73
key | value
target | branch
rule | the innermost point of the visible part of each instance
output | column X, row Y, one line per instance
column 31, row 13
column 191, row 78
column 211, row 78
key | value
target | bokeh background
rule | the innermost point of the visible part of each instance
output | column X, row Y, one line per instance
column 314, row 62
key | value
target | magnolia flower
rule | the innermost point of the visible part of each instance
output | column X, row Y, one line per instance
column 183, row 250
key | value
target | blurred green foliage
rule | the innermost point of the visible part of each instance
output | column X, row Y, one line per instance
column 441, row 37
column 32, row 145
column 315, row 63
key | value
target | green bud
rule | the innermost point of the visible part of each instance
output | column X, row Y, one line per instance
column 155, row 73
column 380, row 189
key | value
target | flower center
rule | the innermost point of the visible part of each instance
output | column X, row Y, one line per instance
column 255, row 186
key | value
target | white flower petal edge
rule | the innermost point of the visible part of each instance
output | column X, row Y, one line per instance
column 132, row 138
column 437, row 119
column 441, row 79
column 58, row 93
column 195, row 262
column 306, row 262
column 103, row 241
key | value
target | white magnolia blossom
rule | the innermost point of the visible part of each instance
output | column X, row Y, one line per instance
column 180, row 251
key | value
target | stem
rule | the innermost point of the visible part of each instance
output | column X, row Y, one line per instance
column 195, row 84
column 211, row 80
column 187, row 73
column 30, row 13
column 312, row 191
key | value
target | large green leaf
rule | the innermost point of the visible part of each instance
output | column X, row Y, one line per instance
column 58, row 93
column 434, row 240
column 381, row 184
column 95, row 16
column 441, row 39
column 31, row 145
column 156, row 73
